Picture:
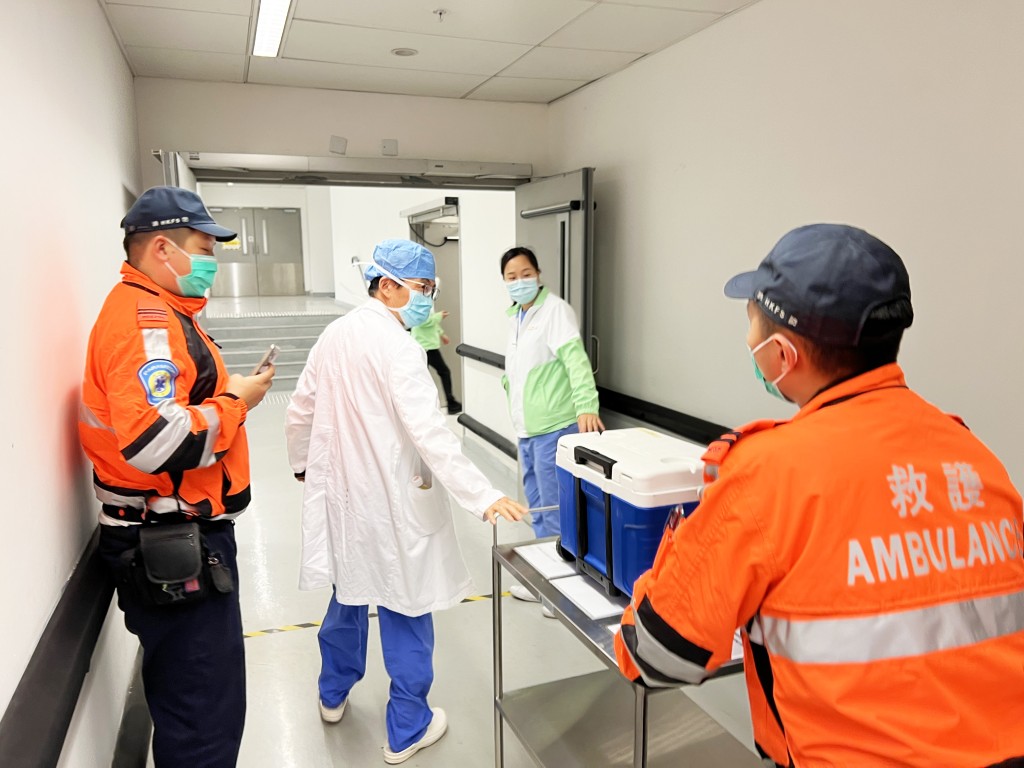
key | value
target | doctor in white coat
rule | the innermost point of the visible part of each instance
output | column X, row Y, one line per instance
column 366, row 434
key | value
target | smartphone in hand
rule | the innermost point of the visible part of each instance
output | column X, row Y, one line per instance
column 267, row 360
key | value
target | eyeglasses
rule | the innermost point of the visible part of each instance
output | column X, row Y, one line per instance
column 430, row 291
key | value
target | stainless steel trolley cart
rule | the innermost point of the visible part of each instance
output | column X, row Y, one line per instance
column 595, row 719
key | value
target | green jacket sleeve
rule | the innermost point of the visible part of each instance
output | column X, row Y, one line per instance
column 581, row 378
column 429, row 334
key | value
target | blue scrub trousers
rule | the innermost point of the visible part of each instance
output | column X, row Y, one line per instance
column 540, row 480
column 408, row 645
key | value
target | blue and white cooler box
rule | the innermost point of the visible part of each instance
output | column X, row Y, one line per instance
column 615, row 492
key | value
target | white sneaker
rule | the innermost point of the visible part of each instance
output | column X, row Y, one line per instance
column 547, row 610
column 519, row 592
column 437, row 728
column 332, row 714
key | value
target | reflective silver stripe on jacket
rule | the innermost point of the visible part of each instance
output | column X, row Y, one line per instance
column 662, row 660
column 157, row 343
column 895, row 635
column 117, row 500
column 212, row 432
column 106, row 519
column 756, row 632
column 176, row 431
column 86, row 416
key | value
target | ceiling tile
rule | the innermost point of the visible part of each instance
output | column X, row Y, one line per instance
column 715, row 6
column 347, row 77
column 629, row 28
column 185, row 30
column 524, row 89
column 568, row 63
column 316, row 41
column 522, row 21
column 188, row 65
column 236, row 7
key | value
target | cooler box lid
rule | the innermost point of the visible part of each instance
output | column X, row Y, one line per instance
column 650, row 469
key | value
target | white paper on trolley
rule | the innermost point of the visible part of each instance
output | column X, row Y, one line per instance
column 546, row 560
column 585, row 593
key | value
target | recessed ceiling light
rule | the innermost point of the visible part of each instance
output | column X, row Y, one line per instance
column 404, row 51
column 270, row 27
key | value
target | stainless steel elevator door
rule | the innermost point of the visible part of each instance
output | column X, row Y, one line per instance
column 236, row 260
column 266, row 257
column 279, row 251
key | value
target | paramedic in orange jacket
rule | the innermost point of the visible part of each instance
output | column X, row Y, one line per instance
column 161, row 421
column 870, row 547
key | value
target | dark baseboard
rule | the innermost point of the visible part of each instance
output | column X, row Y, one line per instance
column 35, row 724
column 682, row 424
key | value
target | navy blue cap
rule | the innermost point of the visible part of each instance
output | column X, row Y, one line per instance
column 172, row 208
column 835, row 284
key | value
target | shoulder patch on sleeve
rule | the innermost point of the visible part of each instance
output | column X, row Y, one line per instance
column 718, row 449
column 150, row 312
column 158, row 377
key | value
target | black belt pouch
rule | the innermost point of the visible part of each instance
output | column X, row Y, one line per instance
column 172, row 564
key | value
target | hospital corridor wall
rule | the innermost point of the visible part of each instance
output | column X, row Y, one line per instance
column 69, row 173
column 900, row 118
column 281, row 120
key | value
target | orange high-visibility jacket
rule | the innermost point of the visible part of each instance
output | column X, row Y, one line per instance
column 162, row 434
column 872, row 546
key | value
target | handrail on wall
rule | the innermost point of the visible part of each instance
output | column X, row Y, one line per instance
column 503, row 444
column 682, row 424
column 481, row 355
column 691, row 427
column 35, row 724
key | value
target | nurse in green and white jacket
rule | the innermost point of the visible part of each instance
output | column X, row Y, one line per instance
column 550, row 386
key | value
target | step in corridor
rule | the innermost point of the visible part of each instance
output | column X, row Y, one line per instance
column 244, row 337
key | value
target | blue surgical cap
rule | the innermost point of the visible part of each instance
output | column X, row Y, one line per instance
column 402, row 258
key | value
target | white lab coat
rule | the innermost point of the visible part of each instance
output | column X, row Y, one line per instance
column 366, row 427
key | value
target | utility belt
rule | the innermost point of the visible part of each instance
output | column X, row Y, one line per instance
column 171, row 563
column 146, row 516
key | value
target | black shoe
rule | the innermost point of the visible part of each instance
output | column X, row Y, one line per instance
column 454, row 406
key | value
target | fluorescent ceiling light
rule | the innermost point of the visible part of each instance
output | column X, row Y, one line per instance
column 270, row 27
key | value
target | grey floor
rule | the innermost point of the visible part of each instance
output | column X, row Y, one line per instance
column 283, row 727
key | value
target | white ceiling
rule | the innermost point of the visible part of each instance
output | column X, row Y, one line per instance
column 496, row 50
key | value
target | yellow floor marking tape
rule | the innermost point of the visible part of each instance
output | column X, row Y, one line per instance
column 310, row 624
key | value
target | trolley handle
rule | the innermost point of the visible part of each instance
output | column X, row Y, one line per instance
column 584, row 455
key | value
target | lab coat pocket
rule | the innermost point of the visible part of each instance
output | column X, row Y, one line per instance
column 428, row 508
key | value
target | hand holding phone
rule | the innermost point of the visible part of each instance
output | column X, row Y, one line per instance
column 267, row 360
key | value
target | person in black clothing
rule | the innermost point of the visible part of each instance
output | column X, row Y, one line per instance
column 430, row 336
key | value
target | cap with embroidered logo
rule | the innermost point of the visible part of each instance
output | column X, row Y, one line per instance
column 835, row 284
column 172, row 208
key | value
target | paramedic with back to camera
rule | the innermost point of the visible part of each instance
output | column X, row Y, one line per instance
column 161, row 422
column 870, row 547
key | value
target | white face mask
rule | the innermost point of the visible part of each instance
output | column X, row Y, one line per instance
column 524, row 290
column 418, row 307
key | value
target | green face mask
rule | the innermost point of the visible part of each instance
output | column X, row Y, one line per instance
column 771, row 387
column 199, row 278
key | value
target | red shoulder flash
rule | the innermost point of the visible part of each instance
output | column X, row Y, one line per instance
column 151, row 312
column 959, row 421
column 718, row 449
